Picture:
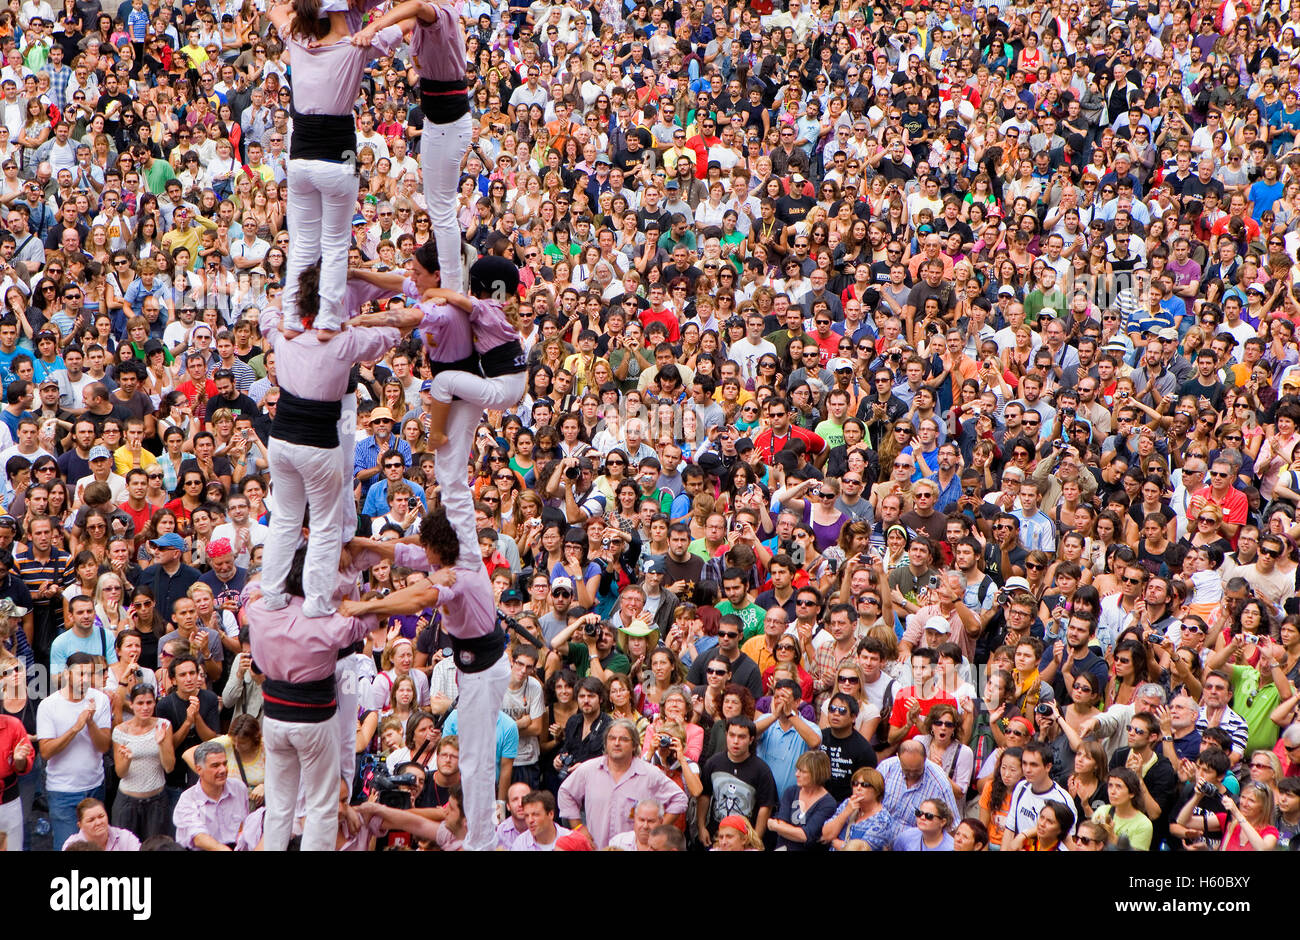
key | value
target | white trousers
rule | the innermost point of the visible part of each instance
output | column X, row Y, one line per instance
column 476, row 725
column 470, row 395
column 306, row 476
column 347, row 453
column 441, row 148
column 299, row 754
column 11, row 824
column 322, row 202
column 347, row 678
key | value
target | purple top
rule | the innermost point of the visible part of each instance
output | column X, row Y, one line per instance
column 446, row 330
column 318, row 371
column 326, row 78
column 823, row 535
column 439, row 47
column 293, row 648
column 491, row 328
column 468, row 610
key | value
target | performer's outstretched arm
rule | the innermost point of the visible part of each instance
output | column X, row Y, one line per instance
column 408, row 600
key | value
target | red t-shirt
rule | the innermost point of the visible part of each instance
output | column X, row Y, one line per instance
column 1238, row 841
column 898, row 717
column 665, row 317
column 141, row 518
column 1234, row 507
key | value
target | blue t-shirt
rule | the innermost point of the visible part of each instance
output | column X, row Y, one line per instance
column 67, row 643
column 1263, row 195
column 507, row 735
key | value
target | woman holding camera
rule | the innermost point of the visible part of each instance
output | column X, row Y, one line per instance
column 142, row 756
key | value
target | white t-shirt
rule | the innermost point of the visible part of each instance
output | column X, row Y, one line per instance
column 526, row 701
column 256, row 536
column 78, row 766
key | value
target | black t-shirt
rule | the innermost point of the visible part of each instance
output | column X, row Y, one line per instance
column 1214, row 393
column 847, row 755
column 688, row 570
column 741, row 789
column 172, row 707
column 241, row 404
column 792, row 209
column 220, row 465
column 744, row 671
column 119, row 411
column 993, row 561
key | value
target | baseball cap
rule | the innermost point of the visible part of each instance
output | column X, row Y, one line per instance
column 744, row 445
column 561, row 584
column 100, row 452
column 170, row 540
column 1016, row 584
column 653, row 565
column 358, row 219
column 840, row 364
column 938, row 625
column 510, row 596
column 1168, row 333
column 1006, row 290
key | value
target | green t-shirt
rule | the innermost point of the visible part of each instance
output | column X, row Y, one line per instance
column 699, row 550
column 1255, row 705
column 580, row 659
column 830, row 432
column 1053, row 300
column 751, row 616
column 157, row 175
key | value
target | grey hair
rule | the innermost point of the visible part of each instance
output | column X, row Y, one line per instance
column 628, row 725
column 206, row 750
column 658, row 807
column 1151, row 690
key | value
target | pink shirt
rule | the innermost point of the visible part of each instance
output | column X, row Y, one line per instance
column 119, row 840
column 326, row 78
column 318, row 371
column 198, row 814
column 606, row 804
column 446, row 330
column 439, row 47
column 491, row 328
column 293, row 648
column 468, row 609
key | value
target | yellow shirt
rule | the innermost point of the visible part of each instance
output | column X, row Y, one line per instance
column 124, row 460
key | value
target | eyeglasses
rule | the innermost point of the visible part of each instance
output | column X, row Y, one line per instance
column 943, row 723
column 786, row 648
column 1031, row 565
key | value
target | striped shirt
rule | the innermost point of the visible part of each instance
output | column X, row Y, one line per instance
column 902, row 799
column 1229, row 721
column 35, row 572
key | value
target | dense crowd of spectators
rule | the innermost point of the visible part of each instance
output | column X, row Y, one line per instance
column 907, row 460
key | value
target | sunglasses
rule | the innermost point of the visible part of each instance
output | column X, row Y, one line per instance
column 786, row 648
column 716, row 672
column 728, row 634
column 928, row 817
column 561, row 592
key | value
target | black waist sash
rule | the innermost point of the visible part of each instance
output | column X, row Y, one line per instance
column 444, row 102
column 330, row 137
column 474, row 654
column 302, row 702
column 503, row 360
column 468, row 364
column 9, row 787
column 307, row 422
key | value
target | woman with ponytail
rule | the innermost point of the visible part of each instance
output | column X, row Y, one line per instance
column 327, row 70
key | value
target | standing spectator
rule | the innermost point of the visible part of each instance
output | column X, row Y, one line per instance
column 73, row 728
